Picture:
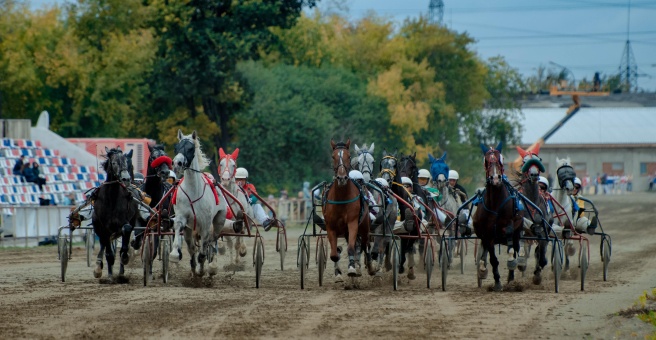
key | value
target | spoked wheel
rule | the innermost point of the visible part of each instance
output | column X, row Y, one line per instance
column 321, row 260
column 259, row 261
column 583, row 263
column 557, row 262
column 462, row 256
column 282, row 248
column 303, row 260
column 444, row 261
column 605, row 255
column 428, row 262
column 395, row 264
column 164, row 250
column 145, row 258
column 89, row 246
column 63, row 257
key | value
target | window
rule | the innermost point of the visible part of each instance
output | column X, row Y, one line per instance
column 580, row 168
column 613, row 168
column 647, row 169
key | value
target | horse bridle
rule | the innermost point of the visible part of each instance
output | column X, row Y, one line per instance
column 368, row 169
column 414, row 165
column 494, row 159
column 227, row 158
column 391, row 172
column 340, row 151
column 187, row 159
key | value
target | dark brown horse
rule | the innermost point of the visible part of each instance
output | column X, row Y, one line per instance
column 345, row 210
column 527, row 184
column 497, row 219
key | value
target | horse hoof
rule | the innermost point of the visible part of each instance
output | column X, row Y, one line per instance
column 173, row 257
column 97, row 274
column 352, row 271
column 411, row 274
column 498, row 287
column 482, row 273
column 338, row 278
column 388, row 263
column 125, row 259
column 521, row 268
column 537, row 279
column 373, row 268
column 242, row 251
column 512, row 264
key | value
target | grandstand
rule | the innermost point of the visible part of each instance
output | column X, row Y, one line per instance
column 62, row 174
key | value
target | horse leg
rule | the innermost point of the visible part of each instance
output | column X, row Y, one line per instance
column 404, row 247
column 495, row 266
column 541, row 261
column 358, row 255
column 202, row 256
column 240, row 247
column 334, row 253
column 351, row 237
column 481, row 261
column 179, row 225
column 125, row 240
column 515, row 248
column 191, row 248
column 411, row 260
column 109, row 257
column 97, row 272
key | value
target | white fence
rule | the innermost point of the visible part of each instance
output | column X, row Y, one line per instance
column 25, row 226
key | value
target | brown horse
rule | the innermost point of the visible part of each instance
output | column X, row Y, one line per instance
column 497, row 219
column 345, row 210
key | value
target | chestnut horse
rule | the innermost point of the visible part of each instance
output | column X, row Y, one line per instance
column 498, row 220
column 345, row 210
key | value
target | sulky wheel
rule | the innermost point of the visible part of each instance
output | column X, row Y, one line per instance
column 146, row 259
column 605, row 255
column 557, row 262
column 63, row 257
column 463, row 244
column 165, row 249
column 282, row 247
column 259, row 261
column 428, row 262
column 583, row 264
column 395, row 263
column 444, row 262
column 303, row 260
column 321, row 259
column 89, row 246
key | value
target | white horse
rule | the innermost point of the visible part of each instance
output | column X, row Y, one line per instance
column 196, row 208
column 227, row 168
column 561, row 193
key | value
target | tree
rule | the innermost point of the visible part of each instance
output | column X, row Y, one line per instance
column 200, row 43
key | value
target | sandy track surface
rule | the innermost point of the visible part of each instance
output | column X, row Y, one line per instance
column 35, row 304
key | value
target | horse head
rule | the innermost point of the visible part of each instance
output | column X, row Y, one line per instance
column 408, row 167
column 188, row 154
column 116, row 166
column 565, row 174
column 532, row 163
column 159, row 161
column 341, row 161
column 227, row 165
column 493, row 164
column 439, row 170
column 364, row 160
column 388, row 166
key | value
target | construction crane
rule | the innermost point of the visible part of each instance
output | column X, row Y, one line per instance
column 571, row 111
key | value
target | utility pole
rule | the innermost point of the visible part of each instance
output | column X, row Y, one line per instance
column 436, row 12
column 628, row 69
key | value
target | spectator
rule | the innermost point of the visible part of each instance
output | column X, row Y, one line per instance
column 18, row 167
column 69, row 199
column 38, row 177
column 307, row 197
column 629, row 183
column 28, row 172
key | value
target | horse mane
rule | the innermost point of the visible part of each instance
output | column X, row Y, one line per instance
column 203, row 161
column 562, row 161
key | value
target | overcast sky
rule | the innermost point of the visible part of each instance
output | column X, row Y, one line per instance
column 584, row 36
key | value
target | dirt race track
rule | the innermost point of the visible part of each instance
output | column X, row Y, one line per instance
column 35, row 304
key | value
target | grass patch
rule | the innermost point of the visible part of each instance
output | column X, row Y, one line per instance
column 644, row 309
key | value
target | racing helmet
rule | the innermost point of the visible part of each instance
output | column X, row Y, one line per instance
column 577, row 181
column 241, row 173
column 172, row 175
column 406, row 180
column 543, row 180
column 423, row 173
column 382, row 182
column 355, row 175
column 453, row 175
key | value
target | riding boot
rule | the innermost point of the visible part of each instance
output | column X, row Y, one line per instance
column 409, row 222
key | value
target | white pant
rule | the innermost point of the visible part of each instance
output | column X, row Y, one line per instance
column 259, row 213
